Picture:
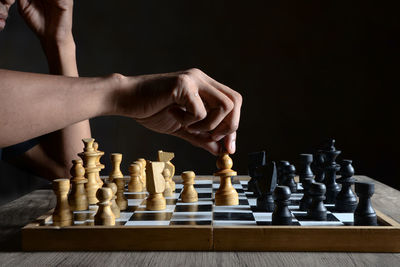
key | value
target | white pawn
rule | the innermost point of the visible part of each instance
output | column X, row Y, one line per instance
column 135, row 184
column 104, row 215
column 114, row 206
column 189, row 193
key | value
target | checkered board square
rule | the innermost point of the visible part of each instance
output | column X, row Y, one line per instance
column 204, row 212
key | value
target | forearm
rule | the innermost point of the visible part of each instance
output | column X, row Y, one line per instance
column 36, row 104
column 63, row 145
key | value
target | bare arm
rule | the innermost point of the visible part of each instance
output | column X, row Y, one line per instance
column 36, row 104
column 52, row 23
column 188, row 104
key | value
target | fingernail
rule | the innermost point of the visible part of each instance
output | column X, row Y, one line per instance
column 218, row 137
column 233, row 146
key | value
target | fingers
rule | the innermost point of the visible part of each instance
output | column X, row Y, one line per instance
column 230, row 143
column 230, row 123
column 202, row 140
column 187, row 97
column 218, row 107
column 206, row 106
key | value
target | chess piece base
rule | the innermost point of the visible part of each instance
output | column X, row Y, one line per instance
column 226, row 198
column 105, row 220
column 190, row 197
column 226, row 195
column 156, row 202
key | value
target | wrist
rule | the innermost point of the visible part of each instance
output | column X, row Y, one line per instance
column 119, row 87
column 61, row 57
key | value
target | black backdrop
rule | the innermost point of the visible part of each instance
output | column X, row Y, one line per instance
column 307, row 71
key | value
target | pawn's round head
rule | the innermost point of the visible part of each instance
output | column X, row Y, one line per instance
column 224, row 162
column 104, row 194
column 166, row 173
column 77, row 169
column 112, row 186
column 188, row 175
column 134, row 169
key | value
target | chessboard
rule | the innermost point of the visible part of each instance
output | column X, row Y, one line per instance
column 202, row 225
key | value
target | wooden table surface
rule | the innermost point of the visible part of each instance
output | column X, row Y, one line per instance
column 16, row 214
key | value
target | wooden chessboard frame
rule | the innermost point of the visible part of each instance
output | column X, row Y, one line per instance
column 386, row 238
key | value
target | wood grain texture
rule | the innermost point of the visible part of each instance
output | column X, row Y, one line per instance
column 16, row 214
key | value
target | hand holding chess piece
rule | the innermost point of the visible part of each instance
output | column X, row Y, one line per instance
column 226, row 195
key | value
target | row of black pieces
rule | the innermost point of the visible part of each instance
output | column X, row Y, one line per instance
column 325, row 168
column 364, row 213
column 344, row 198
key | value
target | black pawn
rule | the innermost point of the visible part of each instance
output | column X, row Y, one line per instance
column 317, row 210
column 289, row 172
column 305, row 167
column 330, row 169
column 364, row 213
column 346, row 200
column 266, row 183
column 279, row 168
column 317, row 167
column 281, row 214
column 306, row 200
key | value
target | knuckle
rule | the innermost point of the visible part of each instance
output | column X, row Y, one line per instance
column 117, row 77
column 183, row 80
column 231, row 127
column 200, row 114
column 227, row 106
column 194, row 71
column 237, row 98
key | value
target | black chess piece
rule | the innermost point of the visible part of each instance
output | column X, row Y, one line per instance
column 266, row 183
column 317, row 166
column 330, row 145
column 330, row 169
column 364, row 213
column 305, row 167
column 256, row 159
column 317, row 210
column 281, row 165
column 346, row 200
column 306, row 200
column 281, row 214
column 289, row 172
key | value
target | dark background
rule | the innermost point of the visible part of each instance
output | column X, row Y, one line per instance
column 307, row 71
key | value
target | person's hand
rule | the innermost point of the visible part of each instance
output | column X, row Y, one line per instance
column 187, row 104
column 51, row 20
